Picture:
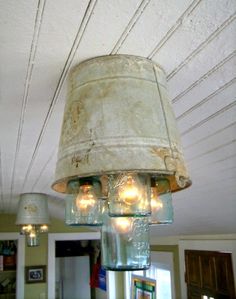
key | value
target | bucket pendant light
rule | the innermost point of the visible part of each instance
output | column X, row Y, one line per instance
column 119, row 127
column 33, row 216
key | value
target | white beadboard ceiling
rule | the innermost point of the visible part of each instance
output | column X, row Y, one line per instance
column 194, row 41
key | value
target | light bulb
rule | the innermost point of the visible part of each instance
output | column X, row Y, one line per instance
column 43, row 228
column 156, row 203
column 129, row 190
column 86, row 198
column 122, row 224
column 32, row 233
column 26, row 229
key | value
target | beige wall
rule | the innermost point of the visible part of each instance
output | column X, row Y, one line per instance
column 36, row 255
column 225, row 243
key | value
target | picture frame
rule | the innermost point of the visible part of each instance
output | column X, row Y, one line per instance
column 143, row 287
column 35, row 274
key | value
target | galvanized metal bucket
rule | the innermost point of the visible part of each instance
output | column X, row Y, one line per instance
column 32, row 209
column 118, row 118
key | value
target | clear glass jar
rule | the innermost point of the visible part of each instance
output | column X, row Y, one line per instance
column 125, row 243
column 129, row 195
column 33, row 238
column 84, row 207
column 161, row 201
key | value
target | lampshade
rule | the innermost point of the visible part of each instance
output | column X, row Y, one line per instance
column 129, row 195
column 119, row 128
column 33, row 216
column 84, row 204
column 125, row 243
column 118, row 118
column 161, row 202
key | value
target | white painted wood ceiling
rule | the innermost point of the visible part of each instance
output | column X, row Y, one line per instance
column 194, row 41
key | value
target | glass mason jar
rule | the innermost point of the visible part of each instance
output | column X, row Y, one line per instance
column 161, row 201
column 84, row 207
column 33, row 238
column 129, row 194
column 125, row 243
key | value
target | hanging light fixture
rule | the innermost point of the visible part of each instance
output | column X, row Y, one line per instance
column 33, row 216
column 119, row 130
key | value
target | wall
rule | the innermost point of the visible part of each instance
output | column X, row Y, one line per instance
column 226, row 243
column 223, row 244
column 36, row 255
column 175, row 251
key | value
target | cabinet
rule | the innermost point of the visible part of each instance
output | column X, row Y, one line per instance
column 7, row 269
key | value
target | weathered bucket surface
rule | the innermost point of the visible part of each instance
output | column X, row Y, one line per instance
column 32, row 209
column 118, row 118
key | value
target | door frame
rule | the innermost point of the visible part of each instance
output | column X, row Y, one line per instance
column 227, row 244
column 52, row 238
column 20, row 267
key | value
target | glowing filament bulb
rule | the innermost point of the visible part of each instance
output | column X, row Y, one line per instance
column 86, row 198
column 122, row 224
column 129, row 191
column 32, row 233
column 26, row 229
column 44, row 228
column 156, row 203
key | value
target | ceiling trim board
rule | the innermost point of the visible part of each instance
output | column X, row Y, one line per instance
column 174, row 28
column 209, row 39
column 207, row 99
column 210, row 135
column 43, row 169
column 30, row 66
column 131, row 24
column 197, row 125
column 212, row 150
column 203, row 77
column 65, row 71
column 213, row 162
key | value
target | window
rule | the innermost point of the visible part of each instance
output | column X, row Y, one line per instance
column 161, row 271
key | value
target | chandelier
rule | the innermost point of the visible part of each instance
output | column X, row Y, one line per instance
column 32, row 216
column 120, row 155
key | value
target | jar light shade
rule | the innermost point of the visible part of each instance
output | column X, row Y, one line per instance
column 125, row 243
column 129, row 195
column 74, row 217
column 33, row 238
column 161, row 202
column 32, row 241
column 84, row 206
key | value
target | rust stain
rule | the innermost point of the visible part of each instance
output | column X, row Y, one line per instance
column 160, row 152
column 31, row 209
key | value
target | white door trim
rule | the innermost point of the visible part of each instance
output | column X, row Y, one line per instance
column 52, row 238
column 20, row 272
